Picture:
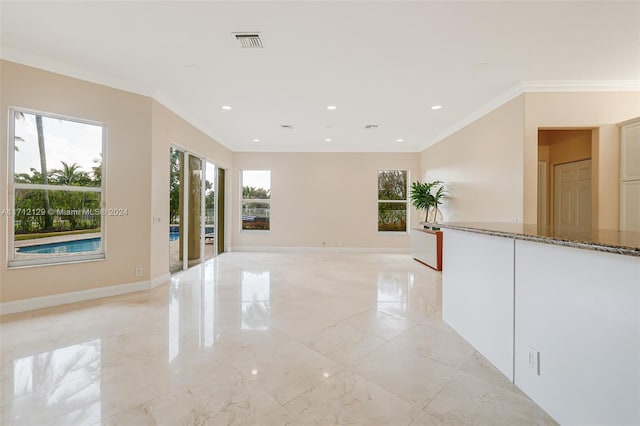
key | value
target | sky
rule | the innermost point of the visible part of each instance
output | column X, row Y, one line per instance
column 67, row 141
column 257, row 178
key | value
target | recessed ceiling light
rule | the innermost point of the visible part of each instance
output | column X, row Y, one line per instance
column 226, row 107
column 256, row 140
column 331, row 107
column 399, row 140
column 327, row 140
column 436, row 107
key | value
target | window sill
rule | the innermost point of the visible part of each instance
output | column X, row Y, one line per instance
column 68, row 260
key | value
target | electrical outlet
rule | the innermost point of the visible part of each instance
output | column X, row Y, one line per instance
column 324, row 243
column 534, row 360
column 138, row 271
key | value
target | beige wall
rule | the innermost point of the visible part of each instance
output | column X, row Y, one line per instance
column 491, row 168
column 316, row 197
column 599, row 110
column 169, row 129
column 139, row 132
column 128, row 163
column 482, row 167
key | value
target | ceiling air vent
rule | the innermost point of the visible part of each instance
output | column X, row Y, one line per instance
column 249, row 40
column 370, row 126
column 287, row 126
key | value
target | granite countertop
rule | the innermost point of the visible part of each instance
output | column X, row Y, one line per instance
column 610, row 241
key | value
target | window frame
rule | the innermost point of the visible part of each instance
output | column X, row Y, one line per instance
column 254, row 200
column 12, row 186
column 405, row 201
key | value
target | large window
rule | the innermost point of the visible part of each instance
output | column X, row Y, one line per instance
column 56, row 191
column 392, row 200
column 256, row 199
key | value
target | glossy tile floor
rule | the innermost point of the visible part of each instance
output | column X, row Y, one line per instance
column 259, row 339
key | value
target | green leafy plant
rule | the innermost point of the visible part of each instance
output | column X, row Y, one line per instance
column 427, row 196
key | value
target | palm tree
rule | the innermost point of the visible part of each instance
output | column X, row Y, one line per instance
column 48, row 218
column 251, row 193
column 69, row 174
column 18, row 116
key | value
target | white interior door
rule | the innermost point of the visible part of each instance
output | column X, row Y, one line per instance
column 630, row 206
column 572, row 195
column 630, row 177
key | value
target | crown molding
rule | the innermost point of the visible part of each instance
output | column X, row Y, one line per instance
column 581, row 86
column 495, row 103
column 172, row 106
column 523, row 87
column 532, row 86
column 57, row 67
column 46, row 64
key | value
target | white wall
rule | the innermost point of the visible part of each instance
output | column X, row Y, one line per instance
column 321, row 197
column 477, row 293
column 581, row 311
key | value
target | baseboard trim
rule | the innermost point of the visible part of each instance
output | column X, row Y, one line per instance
column 34, row 303
column 355, row 250
column 158, row 281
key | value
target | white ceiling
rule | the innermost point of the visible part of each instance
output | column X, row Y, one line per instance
column 384, row 62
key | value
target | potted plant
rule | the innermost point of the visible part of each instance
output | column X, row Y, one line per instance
column 427, row 196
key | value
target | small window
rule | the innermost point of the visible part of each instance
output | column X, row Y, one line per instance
column 256, row 200
column 56, row 191
column 392, row 201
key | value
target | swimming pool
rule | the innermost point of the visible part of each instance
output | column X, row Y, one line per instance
column 78, row 246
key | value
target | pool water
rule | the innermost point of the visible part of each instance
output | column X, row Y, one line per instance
column 78, row 246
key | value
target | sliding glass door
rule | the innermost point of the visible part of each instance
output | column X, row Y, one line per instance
column 193, row 233
column 193, row 210
column 209, row 211
column 176, row 210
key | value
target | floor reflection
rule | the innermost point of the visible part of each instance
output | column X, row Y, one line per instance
column 256, row 296
column 64, row 383
column 174, row 321
column 393, row 292
column 247, row 338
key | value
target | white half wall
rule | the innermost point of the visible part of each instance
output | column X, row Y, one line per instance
column 477, row 293
column 580, row 309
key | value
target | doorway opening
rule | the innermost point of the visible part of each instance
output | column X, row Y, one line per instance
column 565, row 178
